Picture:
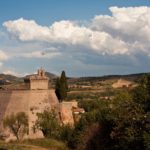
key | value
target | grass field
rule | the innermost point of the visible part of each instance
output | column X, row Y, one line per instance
column 37, row 144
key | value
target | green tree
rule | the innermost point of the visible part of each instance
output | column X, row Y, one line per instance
column 61, row 87
column 17, row 123
column 58, row 89
column 48, row 123
column 141, row 94
column 130, row 123
column 124, row 124
column 66, row 132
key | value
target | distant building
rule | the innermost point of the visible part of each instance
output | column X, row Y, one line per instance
column 122, row 83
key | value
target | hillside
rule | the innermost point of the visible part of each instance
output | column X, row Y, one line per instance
column 130, row 77
column 51, row 75
column 11, row 78
column 17, row 80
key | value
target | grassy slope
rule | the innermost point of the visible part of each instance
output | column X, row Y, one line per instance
column 37, row 144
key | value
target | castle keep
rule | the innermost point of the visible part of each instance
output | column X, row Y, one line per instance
column 32, row 98
column 38, row 81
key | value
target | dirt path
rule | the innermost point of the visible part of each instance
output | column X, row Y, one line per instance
column 31, row 147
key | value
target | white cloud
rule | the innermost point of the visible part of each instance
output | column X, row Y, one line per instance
column 66, row 32
column 131, row 25
column 10, row 72
column 3, row 56
column 127, row 31
column 15, row 73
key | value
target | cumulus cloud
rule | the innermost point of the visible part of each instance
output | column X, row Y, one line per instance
column 131, row 25
column 66, row 32
column 126, row 31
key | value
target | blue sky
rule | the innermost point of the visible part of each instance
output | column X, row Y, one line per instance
column 83, row 37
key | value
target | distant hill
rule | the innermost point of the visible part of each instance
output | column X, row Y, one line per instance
column 130, row 77
column 11, row 78
column 51, row 75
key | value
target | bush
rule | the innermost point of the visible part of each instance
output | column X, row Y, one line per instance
column 17, row 123
column 48, row 123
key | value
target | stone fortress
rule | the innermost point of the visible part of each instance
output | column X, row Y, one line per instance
column 35, row 98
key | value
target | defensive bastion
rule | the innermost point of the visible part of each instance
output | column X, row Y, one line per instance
column 34, row 98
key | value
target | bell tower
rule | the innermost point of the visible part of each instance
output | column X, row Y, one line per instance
column 38, row 81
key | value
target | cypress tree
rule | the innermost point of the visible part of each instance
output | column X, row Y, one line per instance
column 61, row 87
column 57, row 89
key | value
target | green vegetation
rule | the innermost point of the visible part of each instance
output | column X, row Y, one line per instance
column 119, row 123
column 18, row 124
column 34, row 144
column 61, row 87
column 47, row 123
column 47, row 143
column 11, row 146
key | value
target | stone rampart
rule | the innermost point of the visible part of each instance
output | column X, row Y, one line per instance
column 29, row 101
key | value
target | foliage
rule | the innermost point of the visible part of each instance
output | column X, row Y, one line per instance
column 89, row 105
column 131, row 119
column 57, row 89
column 17, row 123
column 48, row 123
column 129, row 126
column 122, row 123
column 141, row 94
column 61, row 87
column 66, row 132
column 147, row 140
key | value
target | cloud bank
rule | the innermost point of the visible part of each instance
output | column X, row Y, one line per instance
column 127, row 31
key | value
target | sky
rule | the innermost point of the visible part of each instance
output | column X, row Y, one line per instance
column 82, row 37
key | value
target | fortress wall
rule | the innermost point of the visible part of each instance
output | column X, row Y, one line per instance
column 66, row 115
column 39, row 84
column 28, row 101
column 4, row 101
column 18, row 102
column 40, row 100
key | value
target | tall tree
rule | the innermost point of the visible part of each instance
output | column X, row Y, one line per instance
column 61, row 87
column 57, row 89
